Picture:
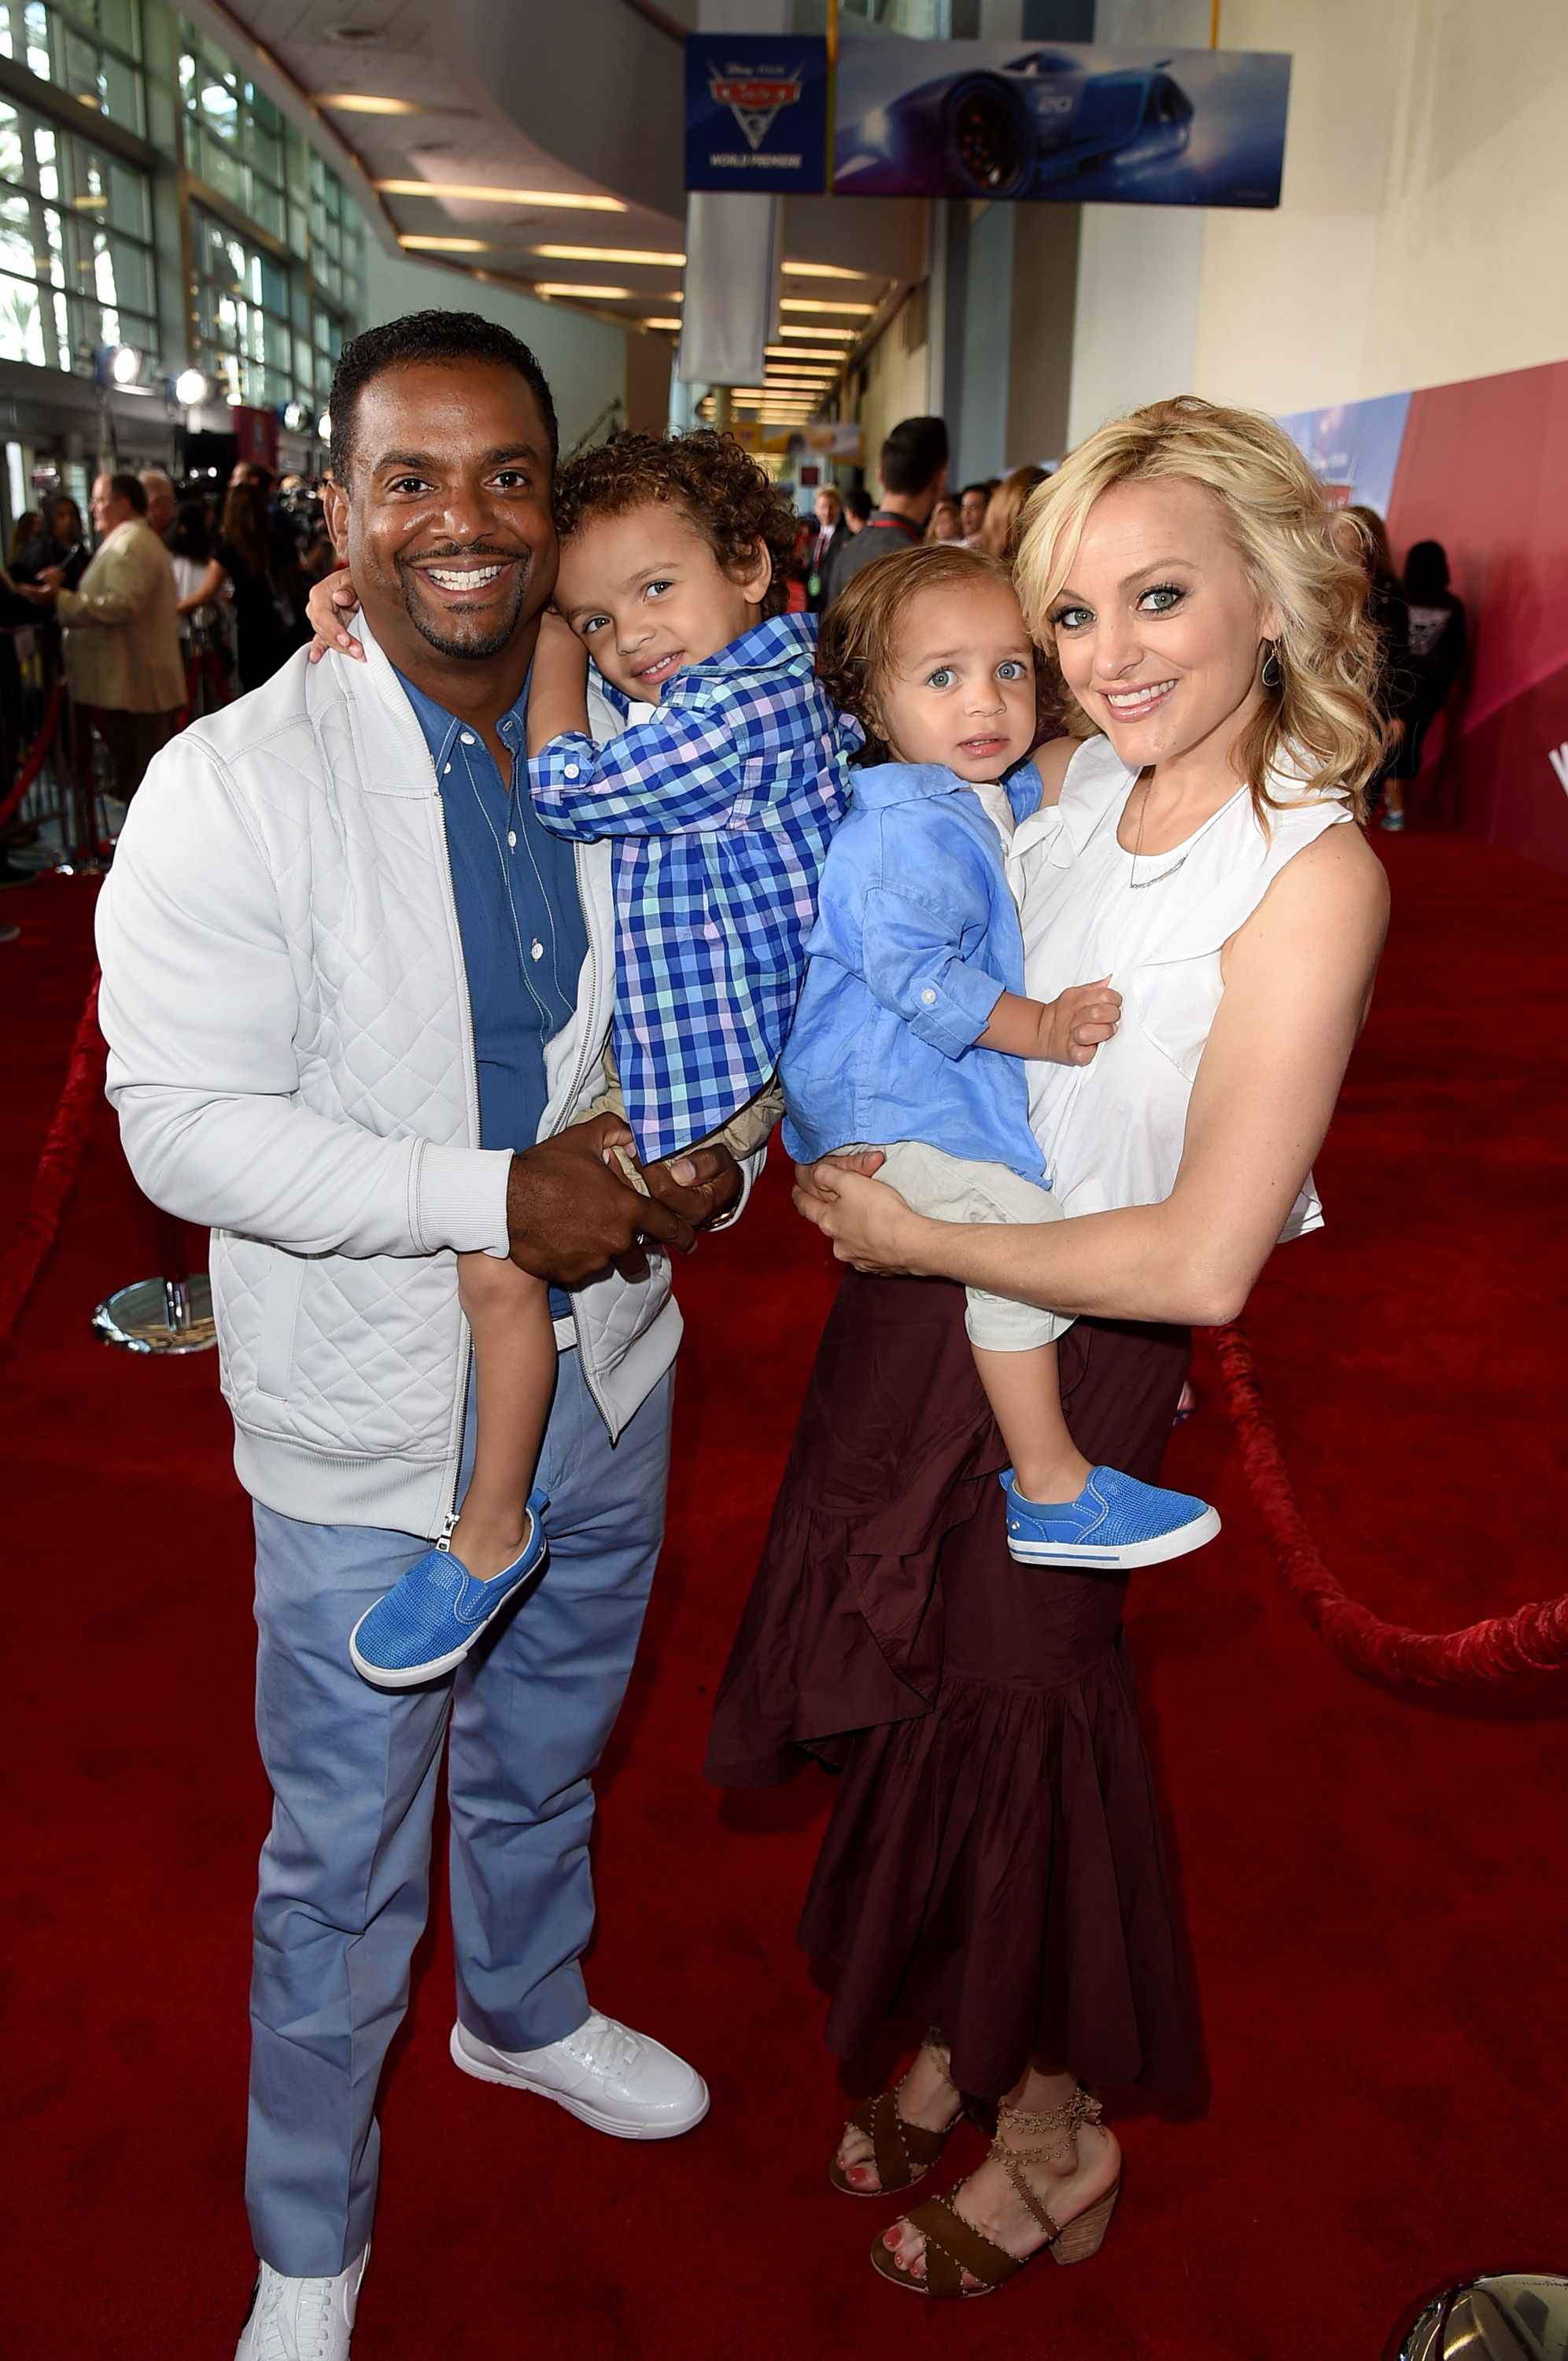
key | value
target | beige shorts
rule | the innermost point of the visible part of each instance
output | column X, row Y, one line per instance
column 951, row 1189
column 748, row 1129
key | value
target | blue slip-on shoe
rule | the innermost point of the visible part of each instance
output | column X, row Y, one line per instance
column 1115, row 1522
column 428, row 1621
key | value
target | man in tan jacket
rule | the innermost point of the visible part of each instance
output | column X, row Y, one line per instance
column 123, row 662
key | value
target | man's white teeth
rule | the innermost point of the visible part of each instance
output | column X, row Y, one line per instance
column 469, row 577
column 1142, row 695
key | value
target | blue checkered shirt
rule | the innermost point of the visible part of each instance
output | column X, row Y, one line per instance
column 722, row 806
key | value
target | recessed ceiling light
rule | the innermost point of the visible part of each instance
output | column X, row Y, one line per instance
column 819, row 303
column 820, row 336
column 446, row 244
column 465, row 192
column 662, row 323
column 570, row 288
column 610, row 254
column 362, row 102
column 821, row 270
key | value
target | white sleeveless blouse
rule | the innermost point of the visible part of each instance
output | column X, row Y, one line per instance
column 1111, row 1132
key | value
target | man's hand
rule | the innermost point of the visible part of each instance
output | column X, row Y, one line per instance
column 1073, row 1026
column 50, row 577
column 700, row 1186
column 36, row 594
column 570, row 1215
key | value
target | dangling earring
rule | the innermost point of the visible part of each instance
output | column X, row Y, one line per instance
column 1273, row 673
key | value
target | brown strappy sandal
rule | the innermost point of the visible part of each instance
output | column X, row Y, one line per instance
column 902, row 2152
column 954, row 2247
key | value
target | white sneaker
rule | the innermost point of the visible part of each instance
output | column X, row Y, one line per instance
column 301, row 2320
column 606, row 2075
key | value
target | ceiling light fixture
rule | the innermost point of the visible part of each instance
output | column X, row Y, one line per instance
column 446, row 244
column 662, row 323
column 611, row 254
column 820, row 304
column 464, row 192
column 570, row 288
column 819, row 336
column 365, row 101
column 821, row 270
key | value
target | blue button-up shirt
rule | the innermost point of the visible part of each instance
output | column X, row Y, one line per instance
column 519, row 914
column 916, row 939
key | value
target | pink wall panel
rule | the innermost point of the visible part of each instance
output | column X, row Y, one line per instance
column 1483, row 469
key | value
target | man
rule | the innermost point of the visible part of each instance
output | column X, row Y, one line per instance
column 974, row 501
column 123, row 662
column 912, row 475
column 353, row 993
column 831, row 530
column 161, row 505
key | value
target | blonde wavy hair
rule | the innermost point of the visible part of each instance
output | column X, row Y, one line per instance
column 1319, row 725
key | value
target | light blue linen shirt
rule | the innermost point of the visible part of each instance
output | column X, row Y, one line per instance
column 916, row 939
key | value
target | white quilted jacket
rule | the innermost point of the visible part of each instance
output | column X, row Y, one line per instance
column 291, row 1056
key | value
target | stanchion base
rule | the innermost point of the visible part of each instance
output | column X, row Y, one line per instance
column 149, row 1316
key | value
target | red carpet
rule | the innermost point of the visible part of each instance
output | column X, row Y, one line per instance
column 1374, row 1884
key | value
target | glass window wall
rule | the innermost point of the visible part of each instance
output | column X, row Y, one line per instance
column 76, row 253
column 92, row 48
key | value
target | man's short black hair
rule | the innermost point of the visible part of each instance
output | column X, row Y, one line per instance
column 858, row 503
column 914, row 455
column 983, row 489
column 124, row 486
column 441, row 336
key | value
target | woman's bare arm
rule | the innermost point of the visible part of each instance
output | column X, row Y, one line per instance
column 1298, row 983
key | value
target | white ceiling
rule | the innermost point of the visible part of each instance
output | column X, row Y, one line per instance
column 461, row 136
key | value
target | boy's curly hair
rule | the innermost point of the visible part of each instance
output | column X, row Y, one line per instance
column 720, row 489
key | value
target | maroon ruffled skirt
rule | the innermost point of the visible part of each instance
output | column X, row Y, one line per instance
column 992, row 1863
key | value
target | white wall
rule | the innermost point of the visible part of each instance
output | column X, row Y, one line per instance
column 1421, row 234
column 1424, row 221
column 584, row 359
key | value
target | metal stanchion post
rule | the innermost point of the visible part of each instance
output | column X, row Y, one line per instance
column 172, row 1313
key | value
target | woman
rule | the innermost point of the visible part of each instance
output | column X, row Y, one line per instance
column 992, row 1864
column 1436, row 649
column 268, row 620
column 62, row 544
column 1005, row 513
column 946, row 520
column 23, row 532
column 199, row 574
column 1388, row 611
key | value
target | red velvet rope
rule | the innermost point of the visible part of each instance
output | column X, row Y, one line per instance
column 34, row 762
column 1532, row 1640
column 34, row 1233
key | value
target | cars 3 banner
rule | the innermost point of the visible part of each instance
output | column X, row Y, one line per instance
column 1082, row 125
column 756, row 111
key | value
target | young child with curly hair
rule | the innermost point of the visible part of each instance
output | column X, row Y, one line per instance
column 914, row 1027
column 720, row 795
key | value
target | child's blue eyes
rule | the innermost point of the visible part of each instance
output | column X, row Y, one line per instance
column 944, row 677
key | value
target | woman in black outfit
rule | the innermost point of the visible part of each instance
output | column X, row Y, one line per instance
column 269, row 618
column 1437, row 648
column 62, row 543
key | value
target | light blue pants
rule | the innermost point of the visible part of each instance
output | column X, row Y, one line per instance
column 345, row 1875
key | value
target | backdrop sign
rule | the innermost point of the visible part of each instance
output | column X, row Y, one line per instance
column 756, row 111
column 1071, row 122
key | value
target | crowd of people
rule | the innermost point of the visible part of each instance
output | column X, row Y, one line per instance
column 168, row 571
column 1419, row 622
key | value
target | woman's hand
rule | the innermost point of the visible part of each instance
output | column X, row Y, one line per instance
column 327, row 610
column 869, row 1223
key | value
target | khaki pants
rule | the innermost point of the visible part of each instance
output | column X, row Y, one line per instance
column 747, row 1130
column 952, row 1189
